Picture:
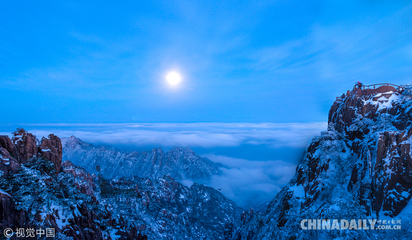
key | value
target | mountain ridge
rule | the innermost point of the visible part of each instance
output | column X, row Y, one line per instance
column 180, row 163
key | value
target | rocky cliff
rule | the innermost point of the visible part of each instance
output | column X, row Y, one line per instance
column 359, row 168
column 24, row 146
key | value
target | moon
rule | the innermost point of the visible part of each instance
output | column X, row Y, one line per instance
column 173, row 78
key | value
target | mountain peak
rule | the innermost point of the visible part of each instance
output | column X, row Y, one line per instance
column 73, row 141
column 368, row 105
column 359, row 168
column 179, row 162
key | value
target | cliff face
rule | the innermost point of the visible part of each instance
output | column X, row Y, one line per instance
column 359, row 168
column 24, row 146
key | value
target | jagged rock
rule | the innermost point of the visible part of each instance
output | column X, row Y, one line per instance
column 9, row 216
column 8, row 164
column 345, row 111
column 51, row 148
column 25, row 144
column 359, row 168
column 6, row 208
column 5, row 142
column 178, row 212
column 179, row 163
column 87, row 184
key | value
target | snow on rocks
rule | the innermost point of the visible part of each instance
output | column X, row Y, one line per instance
column 360, row 168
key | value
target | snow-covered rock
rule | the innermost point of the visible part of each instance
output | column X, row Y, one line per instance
column 42, row 192
column 166, row 209
column 360, row 168
column 179, row 163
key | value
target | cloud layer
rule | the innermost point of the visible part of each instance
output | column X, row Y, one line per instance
column 259, row 158
column 250, row 183
column 203, row 135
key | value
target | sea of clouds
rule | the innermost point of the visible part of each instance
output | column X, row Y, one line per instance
column 258, row 158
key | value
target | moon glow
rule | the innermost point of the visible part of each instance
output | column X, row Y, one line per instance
column 173, row 78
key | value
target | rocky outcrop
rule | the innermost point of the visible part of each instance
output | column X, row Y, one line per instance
column 392, row 173
column 51, row 149
column 6, row 143
column 377, row 128
column 32, row 198
column 8, row 155
column 359, row 168
column 8, row 164
column 24, row 147
column 365, row 107
column 8, row 213
column 25, row 144
column 87, row 185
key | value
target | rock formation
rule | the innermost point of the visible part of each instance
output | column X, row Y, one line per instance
column 179, row 163
column 360, row 168
column 38, row 191
column 25, row 144
column 51, row 149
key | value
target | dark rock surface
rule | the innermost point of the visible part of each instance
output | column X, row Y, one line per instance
column 25, row 144
column 6, row 143
column 8, row 164
column 51, row 149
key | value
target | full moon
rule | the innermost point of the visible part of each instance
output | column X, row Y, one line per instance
column 173, row 78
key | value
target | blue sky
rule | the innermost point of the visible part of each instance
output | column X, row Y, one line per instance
column 243, row 61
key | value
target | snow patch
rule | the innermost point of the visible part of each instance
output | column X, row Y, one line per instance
column 382, row 102
column 335, row 207
column 298, row 191
column 3, row 192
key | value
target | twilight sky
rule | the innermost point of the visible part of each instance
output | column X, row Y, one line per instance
column 258, row 77
column 243, row 61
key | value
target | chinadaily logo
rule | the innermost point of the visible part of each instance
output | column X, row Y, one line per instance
column 350, row 224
